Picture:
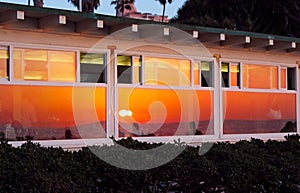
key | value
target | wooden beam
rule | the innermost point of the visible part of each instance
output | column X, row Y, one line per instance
column 8, row 17
column 257, row 43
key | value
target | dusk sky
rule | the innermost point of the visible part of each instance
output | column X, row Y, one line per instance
column 144, row 6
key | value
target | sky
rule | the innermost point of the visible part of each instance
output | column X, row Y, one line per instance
column 144, row 6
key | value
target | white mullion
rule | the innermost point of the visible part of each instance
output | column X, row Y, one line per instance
column 77, row 67
column 49, row 65
column 11, row 76
column 192, row 73
column 229, row 75
column 297, row 79
column 142, row 71
column 22, row 60
column 200, row 73
column 132, row 69
column 240, row 75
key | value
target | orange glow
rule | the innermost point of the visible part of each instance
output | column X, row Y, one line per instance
column 62, row 66
column 136, row 69
column 245, row 108
column 234, row 73
column 167, row 108
column 283, row 78
column 3, row 63
column 260, row 76
column 197, row 73
column 48, row 107
column 43, row 65
column 167, row 71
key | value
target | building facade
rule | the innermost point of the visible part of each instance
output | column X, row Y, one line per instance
column 72, row 79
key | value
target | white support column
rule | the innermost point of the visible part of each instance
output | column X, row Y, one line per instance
column 218, row 96
column 111, row 90
column 298, row 98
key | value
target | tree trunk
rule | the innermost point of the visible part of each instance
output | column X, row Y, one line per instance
column 38, row 3
column 163, row 16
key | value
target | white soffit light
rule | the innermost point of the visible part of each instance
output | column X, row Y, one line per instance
column 20, row 15
column 62, row 19
column 195, row 34
column 135, row 28
column 294, row 45
column 222, row 37
column 247, row 39
column 166, row 31
column 271, row 42
column 100, row 24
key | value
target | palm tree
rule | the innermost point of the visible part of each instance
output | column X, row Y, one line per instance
column 163, row 3
column 37, row 3
column 87, row 5
column 122, row 5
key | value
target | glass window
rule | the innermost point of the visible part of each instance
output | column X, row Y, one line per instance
column 44, row 65
column 235, row 74
column 167, row 71
column 291, row 78
column 283, row 78
column 35, row 65
column 225, row 74
column 92, row 68
column 124, row 69
column 197, row 67
column 62, row 66
column 4, row 62
column 260, row 76
column 137, row 69
column 206, row 74
column 230, row 74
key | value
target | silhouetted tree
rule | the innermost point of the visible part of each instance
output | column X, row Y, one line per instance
column 37, row 3
column 122, row 5
column 87, row 5
column 164, row 3
column 263, row 16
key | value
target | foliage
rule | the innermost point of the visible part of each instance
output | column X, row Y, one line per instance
column 122, row 5
column 264, row 16
column 245, row 166
column 37, row 3
column 87, row 5
column 164, row 3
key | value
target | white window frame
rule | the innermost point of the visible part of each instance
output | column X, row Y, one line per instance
column 7, row 48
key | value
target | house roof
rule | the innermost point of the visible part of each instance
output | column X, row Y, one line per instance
column 29, row 18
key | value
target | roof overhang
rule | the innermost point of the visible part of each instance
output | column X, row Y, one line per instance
column 48, row 20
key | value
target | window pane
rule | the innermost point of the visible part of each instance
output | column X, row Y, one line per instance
column 196, row 73
column 137, row 68
column 185, row 73
column 258, row 112
column 18, row 63
column 35, row 65
column 44, row 65
column 124, row 70
column 167, row 71
column 291, row 78
column 225, row 74
column 260, row 76
column 4, row 61
column 283, row 77
column 164, row 112
column 62, row 66
column 206, row 74
column 235, row 75
column 92, row 68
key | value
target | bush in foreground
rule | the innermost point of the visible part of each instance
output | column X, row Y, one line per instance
column 246, row 166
